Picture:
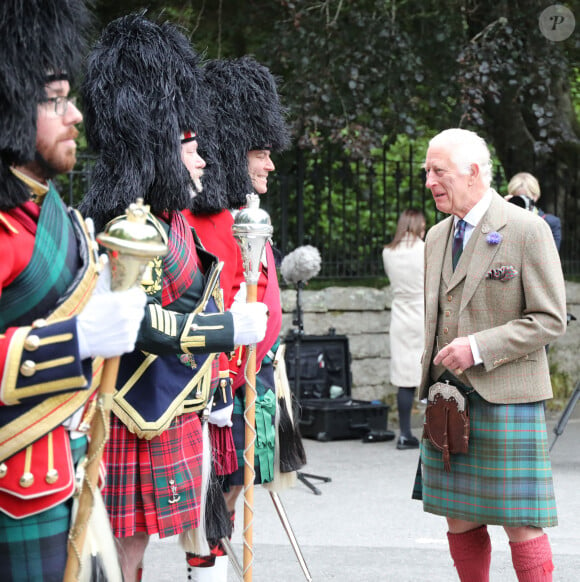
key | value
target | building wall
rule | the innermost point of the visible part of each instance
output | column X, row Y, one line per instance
column 363, row 315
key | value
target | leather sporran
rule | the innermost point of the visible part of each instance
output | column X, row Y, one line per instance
column 447, row 421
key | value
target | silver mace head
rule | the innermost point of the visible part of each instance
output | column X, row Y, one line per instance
column 251, row 229
column 131, row 242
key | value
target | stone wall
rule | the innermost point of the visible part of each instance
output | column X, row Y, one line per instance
column 363, row 315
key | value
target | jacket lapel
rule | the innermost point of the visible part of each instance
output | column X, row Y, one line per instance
column 493, row 220
column 434, row 269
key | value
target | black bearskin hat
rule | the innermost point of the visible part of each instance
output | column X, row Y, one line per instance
column 38, row 38
column 248, row 115
column 141, row 91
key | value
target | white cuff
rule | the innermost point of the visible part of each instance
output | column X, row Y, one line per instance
column 477, row 359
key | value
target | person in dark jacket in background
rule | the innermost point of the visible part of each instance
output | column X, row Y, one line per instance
column 524, row 190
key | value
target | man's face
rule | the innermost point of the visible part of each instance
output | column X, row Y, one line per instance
column 193, row 162
column 450, row 188
column 259, row 166
column 55, row 135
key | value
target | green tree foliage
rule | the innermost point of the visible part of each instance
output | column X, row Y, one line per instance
column 516, row 87
column 361, row 77
column 359, row 73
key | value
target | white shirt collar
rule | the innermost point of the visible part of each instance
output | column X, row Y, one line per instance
column 476, row 213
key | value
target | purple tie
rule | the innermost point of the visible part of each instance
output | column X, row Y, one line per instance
column 458, row 242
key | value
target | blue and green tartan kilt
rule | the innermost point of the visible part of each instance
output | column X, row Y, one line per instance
column 265, row 429
column 505, row 478
column 154, row 486
column 33, row 549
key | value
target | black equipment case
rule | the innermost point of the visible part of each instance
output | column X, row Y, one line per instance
column 327, row 409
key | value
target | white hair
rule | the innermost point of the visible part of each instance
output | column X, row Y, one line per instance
column 466, row 148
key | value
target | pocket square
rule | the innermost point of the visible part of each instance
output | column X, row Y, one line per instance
column 503, row 273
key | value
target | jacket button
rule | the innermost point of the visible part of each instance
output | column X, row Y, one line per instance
column 28, row 368
column 39, row 323
column 51, row 476
column 26, row 480
column 448, row 314
column 445, row 330
column 449, row 297
column 3, row 470
column 31, row 343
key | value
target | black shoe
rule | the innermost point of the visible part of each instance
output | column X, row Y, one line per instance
column 405, row 443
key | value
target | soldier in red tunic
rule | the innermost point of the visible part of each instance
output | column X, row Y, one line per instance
column 144, row 104
column 50, row 322
column 249, row 124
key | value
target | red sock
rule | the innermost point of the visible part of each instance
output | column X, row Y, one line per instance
column 471, row 553
column 532, row 559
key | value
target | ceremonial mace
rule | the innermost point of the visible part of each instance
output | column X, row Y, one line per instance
column 251, row 229
column 131, row 243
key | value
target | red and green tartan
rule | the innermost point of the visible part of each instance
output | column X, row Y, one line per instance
column 181, row 262
column 505, row 478
column 138, row 490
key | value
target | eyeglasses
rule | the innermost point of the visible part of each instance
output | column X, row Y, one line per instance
column 61, row 103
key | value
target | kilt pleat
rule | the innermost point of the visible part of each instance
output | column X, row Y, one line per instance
column 35, row 548
column 154, row 486
column 504, row 479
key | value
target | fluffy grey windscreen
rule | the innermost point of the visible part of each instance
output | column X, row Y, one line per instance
column 301, row 264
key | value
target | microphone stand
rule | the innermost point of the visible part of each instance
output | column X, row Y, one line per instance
column 298, row 333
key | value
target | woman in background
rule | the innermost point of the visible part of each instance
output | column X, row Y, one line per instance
column 404, row 266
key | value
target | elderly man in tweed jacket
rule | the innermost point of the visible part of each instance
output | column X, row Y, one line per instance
column 494, row 297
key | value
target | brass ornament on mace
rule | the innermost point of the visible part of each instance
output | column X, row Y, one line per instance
column 131, row 242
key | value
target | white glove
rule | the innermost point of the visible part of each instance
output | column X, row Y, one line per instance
column 109, row 323
column 104, row 282
column 223, row 416
column 240, row 296
column 250, row 320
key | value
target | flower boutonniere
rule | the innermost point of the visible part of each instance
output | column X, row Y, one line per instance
column 493, row 238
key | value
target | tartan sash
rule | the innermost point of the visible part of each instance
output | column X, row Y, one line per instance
column 181, row 262
column 61, row 260
column 51, row 272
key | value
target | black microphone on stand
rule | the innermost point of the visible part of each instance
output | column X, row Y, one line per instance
column 297, row 268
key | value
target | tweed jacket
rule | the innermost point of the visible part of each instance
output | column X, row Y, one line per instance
column 511, row 317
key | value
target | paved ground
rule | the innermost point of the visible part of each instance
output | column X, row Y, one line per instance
column 365, row 527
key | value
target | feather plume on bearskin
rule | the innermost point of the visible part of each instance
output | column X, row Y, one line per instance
column 248, row 114
column 142, row 89
column 36, row 37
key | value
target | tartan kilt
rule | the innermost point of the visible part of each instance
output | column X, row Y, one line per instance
column 154, row 486
column 265, row 439
column 505, row 478
column 35, row 548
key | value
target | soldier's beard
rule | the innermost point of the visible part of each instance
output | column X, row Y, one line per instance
column 45, row 168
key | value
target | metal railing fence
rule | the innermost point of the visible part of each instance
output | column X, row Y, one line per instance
column 349, row 209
